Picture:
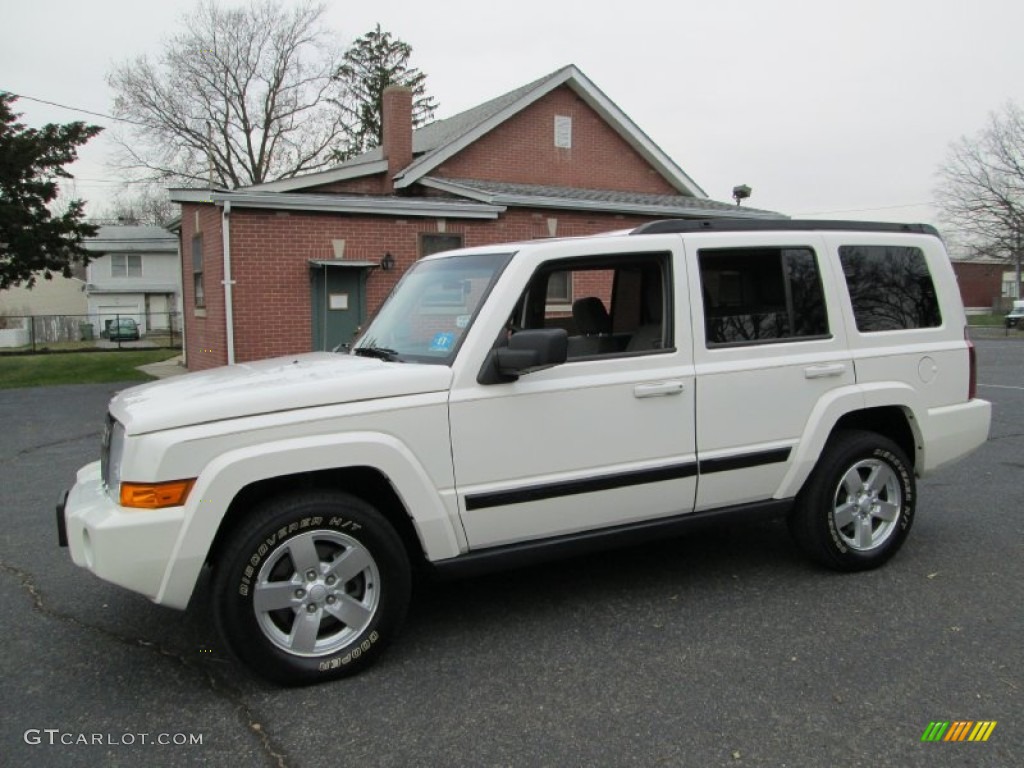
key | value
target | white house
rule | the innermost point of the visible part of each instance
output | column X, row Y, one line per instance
column 58, row 296
column 135, row 272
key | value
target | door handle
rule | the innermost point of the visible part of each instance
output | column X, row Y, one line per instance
column 660, row 389
column 824, row 371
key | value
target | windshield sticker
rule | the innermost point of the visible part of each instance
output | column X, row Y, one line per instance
column 442, row 342
column 462, row 321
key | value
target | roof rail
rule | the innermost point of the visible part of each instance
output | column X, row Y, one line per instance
column 777, row 225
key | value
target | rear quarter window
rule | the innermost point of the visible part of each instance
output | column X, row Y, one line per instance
column 890, row 288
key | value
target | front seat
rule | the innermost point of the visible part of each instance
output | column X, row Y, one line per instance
column 591, row 317
column 594, row 326
column 649, row 335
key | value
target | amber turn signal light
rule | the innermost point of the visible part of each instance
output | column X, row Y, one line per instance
column 155, row 495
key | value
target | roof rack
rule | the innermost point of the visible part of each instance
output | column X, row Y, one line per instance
column 777, row 225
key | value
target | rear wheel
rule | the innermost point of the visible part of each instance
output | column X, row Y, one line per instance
column 311, row 587
column 858, row 505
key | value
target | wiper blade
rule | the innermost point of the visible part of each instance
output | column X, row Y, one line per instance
column 381, row 353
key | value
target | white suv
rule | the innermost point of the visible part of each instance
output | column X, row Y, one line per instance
column 512, row 403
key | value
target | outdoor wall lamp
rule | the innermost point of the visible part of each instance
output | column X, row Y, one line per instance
column 388, row 262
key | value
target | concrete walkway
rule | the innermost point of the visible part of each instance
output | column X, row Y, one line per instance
column 165, row 368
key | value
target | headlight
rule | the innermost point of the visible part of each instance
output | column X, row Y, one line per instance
column 112, row 455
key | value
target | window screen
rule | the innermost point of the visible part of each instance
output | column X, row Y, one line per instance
column 125, row 265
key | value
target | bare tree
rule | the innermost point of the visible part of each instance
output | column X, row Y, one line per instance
column 243, row 95
column 141, row 204
column 982, row 190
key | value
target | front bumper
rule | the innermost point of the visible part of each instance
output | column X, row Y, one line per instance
column 128, row 547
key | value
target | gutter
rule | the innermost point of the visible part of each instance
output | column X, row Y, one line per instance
column 365, row 205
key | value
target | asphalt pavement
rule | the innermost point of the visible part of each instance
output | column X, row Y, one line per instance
column 723, row 648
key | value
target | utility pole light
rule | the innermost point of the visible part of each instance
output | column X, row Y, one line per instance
column 741, row 193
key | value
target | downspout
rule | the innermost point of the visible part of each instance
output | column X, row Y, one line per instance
column 229, row 308
column 181, row 289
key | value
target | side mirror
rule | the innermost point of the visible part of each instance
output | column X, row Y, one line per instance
column 527, row 351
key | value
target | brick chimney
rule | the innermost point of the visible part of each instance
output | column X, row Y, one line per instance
column 396, row 117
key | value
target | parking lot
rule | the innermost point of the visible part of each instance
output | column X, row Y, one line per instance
column 724, row 648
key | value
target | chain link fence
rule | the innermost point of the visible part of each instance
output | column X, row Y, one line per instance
column 60, row 333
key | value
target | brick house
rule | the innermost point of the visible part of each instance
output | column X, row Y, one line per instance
column 986, row 284
column 300, row 264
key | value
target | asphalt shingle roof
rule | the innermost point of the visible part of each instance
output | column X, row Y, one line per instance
column 508, row 193
column 111, row 239
column 437, row 134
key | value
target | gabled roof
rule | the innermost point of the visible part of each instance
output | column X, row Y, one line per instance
column 605, row 200
column 131, row 239
column 438, row 141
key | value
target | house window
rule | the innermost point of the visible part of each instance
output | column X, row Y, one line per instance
column 559, row 288
column 125, row 265
column 761, row 295
column 1010, row 288
column 197, row 272
column 436, row 243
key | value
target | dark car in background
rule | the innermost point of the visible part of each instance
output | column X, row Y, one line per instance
column 123, row 329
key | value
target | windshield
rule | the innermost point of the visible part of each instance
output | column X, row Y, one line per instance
column 431, row 309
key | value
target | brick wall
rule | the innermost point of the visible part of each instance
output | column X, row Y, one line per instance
column 270, row 255
column 364, row 185
column 205, row 334
column 522, row 150
column 981, row 284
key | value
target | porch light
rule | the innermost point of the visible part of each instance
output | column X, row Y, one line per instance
column 388, row 262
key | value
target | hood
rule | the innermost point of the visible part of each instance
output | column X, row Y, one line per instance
column 268, row 386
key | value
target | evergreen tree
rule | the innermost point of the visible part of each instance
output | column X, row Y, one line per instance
column 32, row 238
column 372, row 63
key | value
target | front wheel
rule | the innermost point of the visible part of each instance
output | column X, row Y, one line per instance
column 311, row 587
column 858, row 505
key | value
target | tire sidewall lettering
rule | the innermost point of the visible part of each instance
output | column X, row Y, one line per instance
column 259, row 538
column 284, row 533
column 906, row 511
column 270, row 544
column 906, row 487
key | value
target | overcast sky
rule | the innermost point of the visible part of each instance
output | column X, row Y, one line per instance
column 839, row 109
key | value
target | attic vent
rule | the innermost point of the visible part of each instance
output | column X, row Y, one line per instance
column 563, row 132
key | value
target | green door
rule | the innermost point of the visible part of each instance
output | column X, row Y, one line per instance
column 339, row 303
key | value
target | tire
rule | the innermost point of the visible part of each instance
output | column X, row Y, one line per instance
column 311, row 587
column 857, row 507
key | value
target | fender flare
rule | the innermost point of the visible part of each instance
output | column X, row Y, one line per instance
column 826, row 414
column 433, row 514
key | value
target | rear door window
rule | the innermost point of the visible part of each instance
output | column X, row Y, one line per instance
column 761, row 295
